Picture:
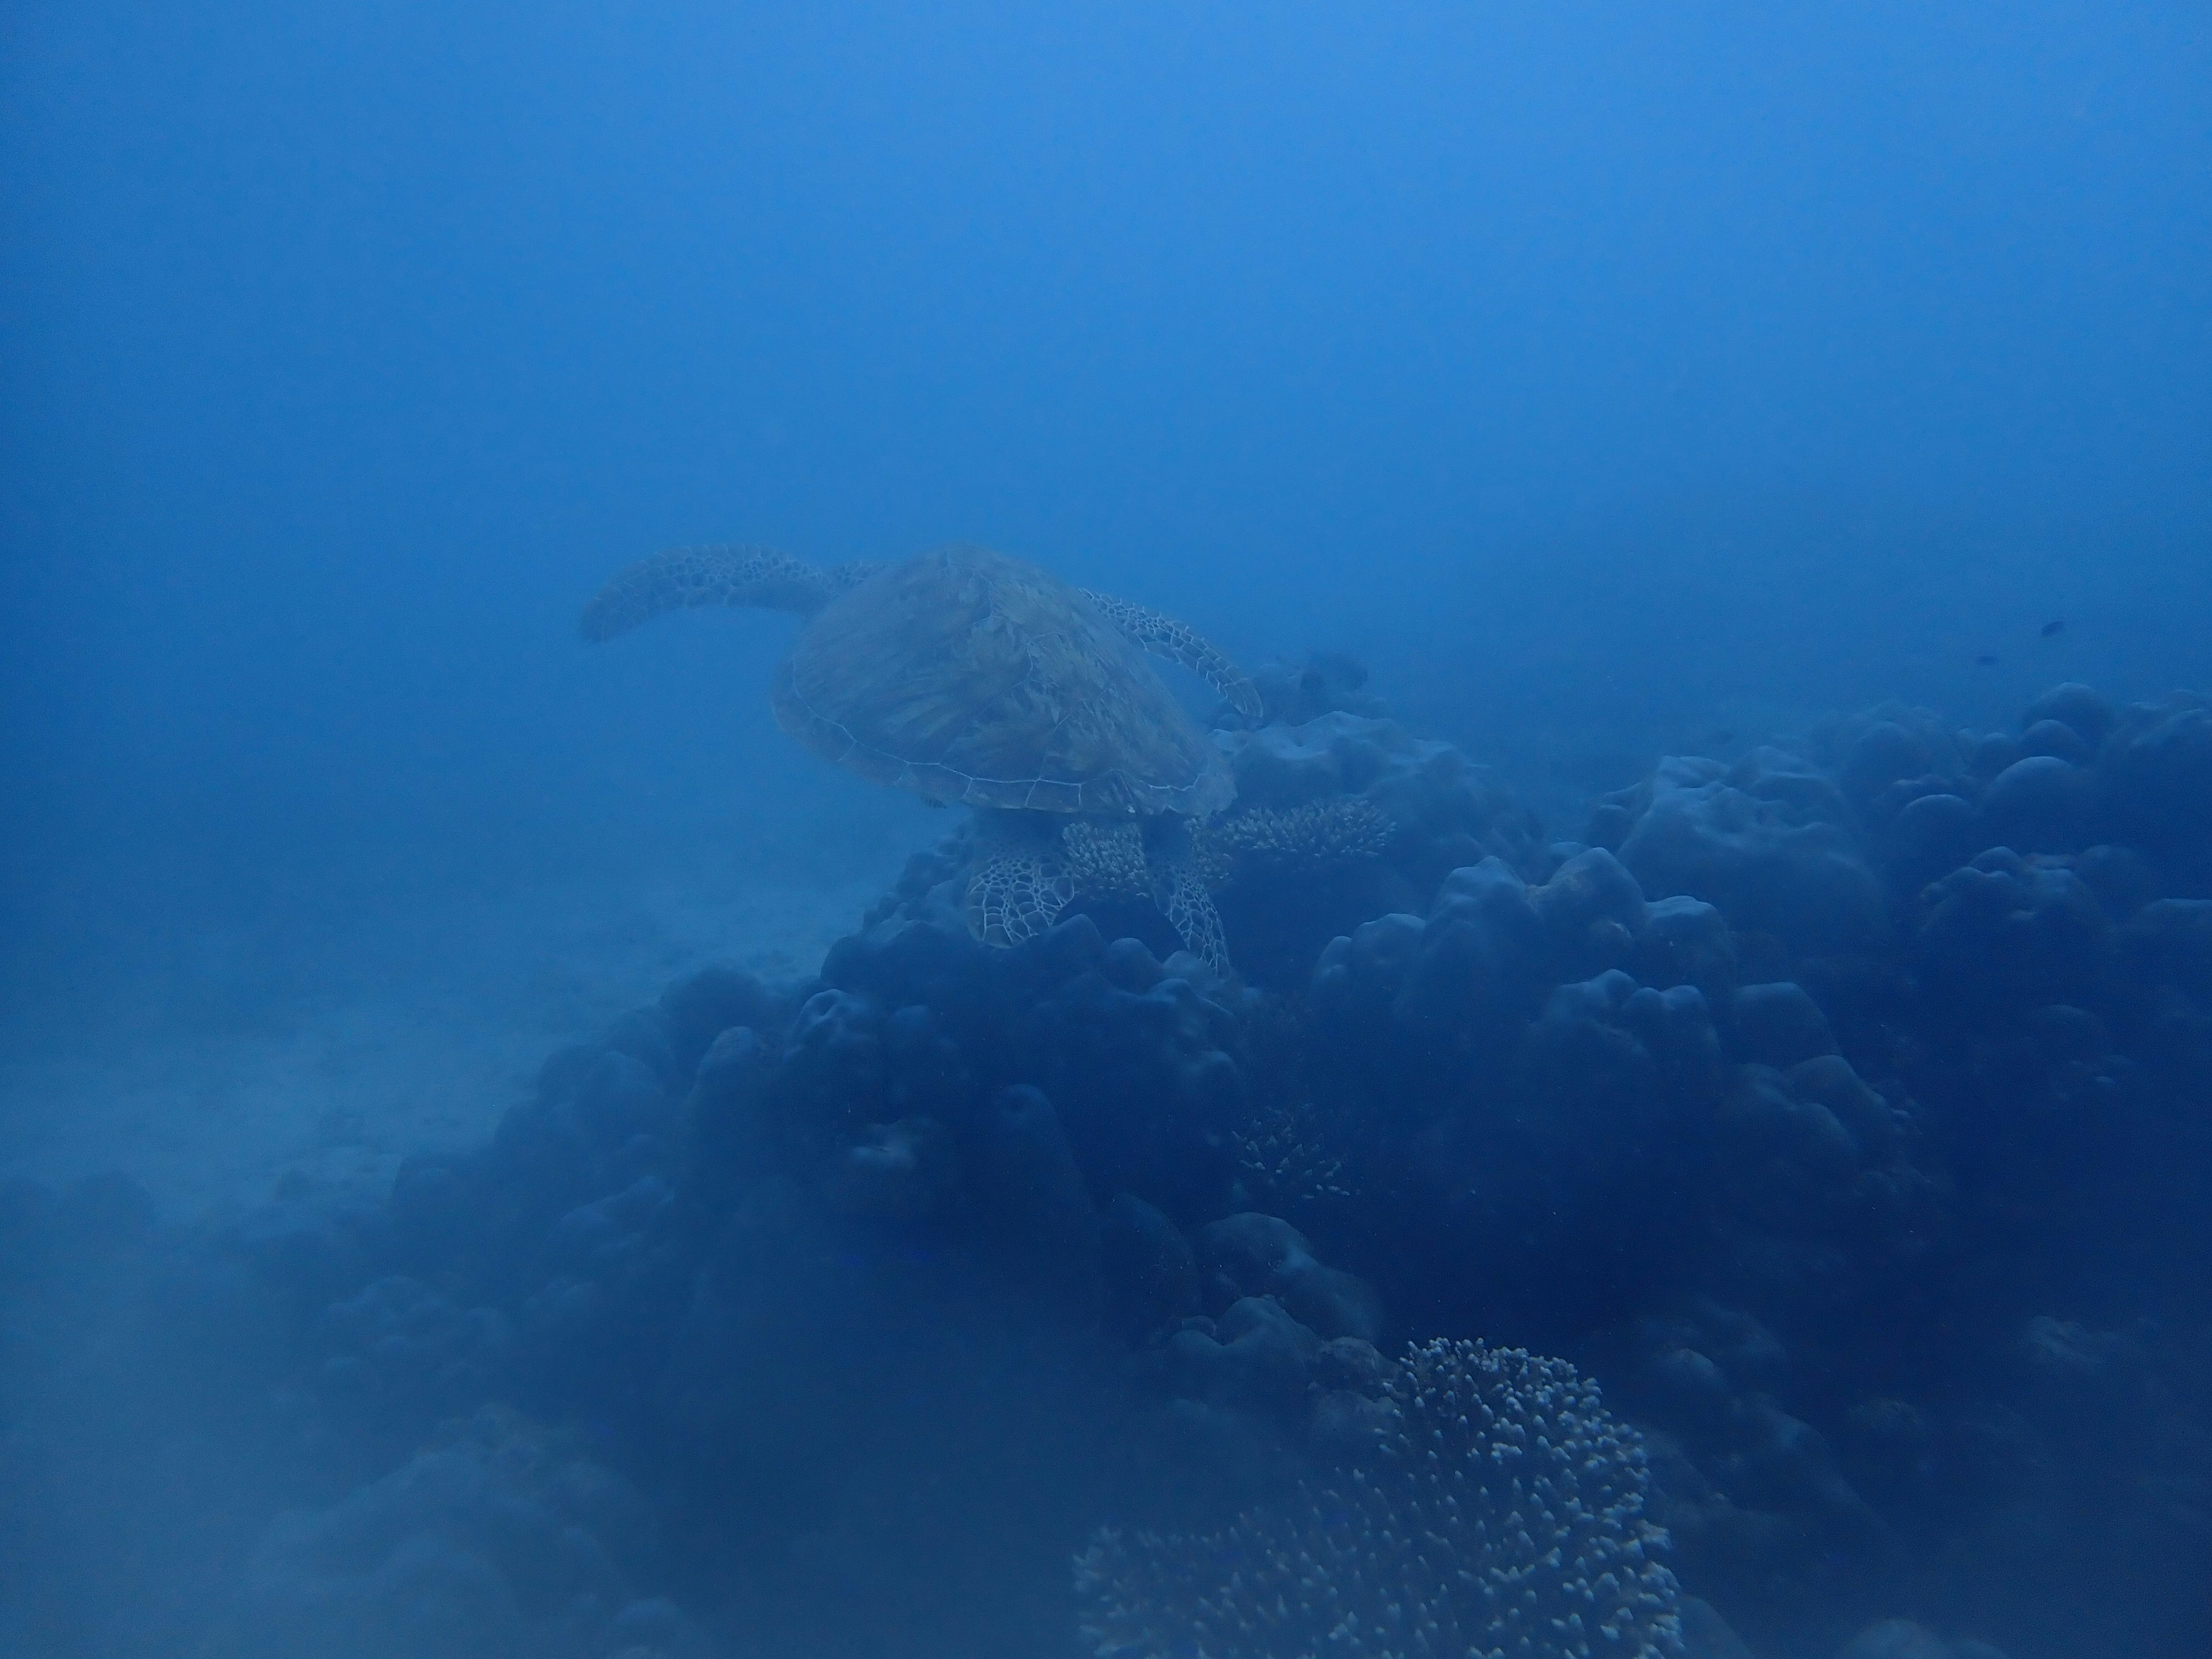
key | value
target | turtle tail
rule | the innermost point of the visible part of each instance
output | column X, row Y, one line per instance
column 687, row 578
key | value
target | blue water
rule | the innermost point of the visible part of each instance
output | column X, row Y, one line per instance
column 1614, row 381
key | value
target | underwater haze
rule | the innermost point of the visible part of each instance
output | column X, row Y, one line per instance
column 1528, row 972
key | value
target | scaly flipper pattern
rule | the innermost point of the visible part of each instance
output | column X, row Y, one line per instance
column 1015, row 894
column 1164, row 636
column 1182, row 898
column 687, row 578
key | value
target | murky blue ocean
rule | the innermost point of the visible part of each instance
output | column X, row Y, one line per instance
column 1231, row 831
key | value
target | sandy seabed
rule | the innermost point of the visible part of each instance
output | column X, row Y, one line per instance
column 253, row 1065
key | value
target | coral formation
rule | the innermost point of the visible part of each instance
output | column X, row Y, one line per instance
column 1326, row 683
column 1294, row 840
column 1859, row 1153
column 1283, row 1155
column 1105, row 860
column 1506, row 1517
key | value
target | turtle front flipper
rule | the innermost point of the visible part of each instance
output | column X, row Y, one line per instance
column 1164, row 636
column 690, row 578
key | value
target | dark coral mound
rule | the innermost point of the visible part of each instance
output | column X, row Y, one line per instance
column 1841, row 1110
column 1504, row 1515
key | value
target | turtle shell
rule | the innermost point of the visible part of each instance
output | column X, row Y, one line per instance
column 967, row 676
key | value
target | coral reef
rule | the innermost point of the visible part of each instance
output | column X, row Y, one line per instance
column 1105, row 860
column 1326, row 683
column 1504, row 1516
column 1283, row 1155
column 1294, row 840
column 1369, row 819
column 1840, row 1107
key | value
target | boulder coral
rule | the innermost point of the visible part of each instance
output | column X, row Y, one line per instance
column 1839, row 1106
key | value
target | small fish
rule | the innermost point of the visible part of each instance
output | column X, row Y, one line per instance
column 2051, row 627
column 1985, row 660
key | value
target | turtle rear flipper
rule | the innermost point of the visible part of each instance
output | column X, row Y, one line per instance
column 1014, row 895
column 1183, row 896
column 690, row 578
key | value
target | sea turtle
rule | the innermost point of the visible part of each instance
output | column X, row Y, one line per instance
column 967, row 676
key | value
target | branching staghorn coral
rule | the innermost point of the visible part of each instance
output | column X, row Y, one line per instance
column 1283, row 1155
column 1504, row 1521
column 1105, row 860
column 1339, row 830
